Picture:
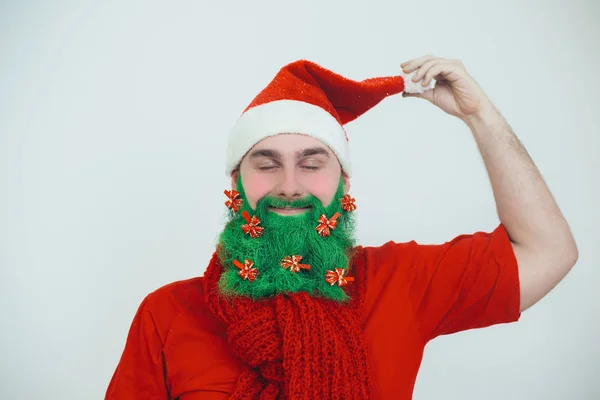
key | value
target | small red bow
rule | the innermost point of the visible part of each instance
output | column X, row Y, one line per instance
column 326, row 224
column 293, row 263
column 232, row 200
column 337, row 276
column 246, row 270
column 252, row 228
column 348, row 203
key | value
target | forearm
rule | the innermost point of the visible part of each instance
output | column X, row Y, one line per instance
column 524, row 203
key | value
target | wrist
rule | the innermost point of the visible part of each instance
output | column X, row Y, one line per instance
column 487, row 114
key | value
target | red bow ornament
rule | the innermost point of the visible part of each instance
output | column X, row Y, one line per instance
column 246, row 270
column 232, row 200
column 348, row 203
column 326, row 224
column 252, row 228
column 337, row 276
column 293, row 263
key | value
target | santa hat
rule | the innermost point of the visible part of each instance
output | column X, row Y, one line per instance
column 305, row 98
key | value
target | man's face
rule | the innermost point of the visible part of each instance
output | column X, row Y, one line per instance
column 290, row 167
column 279, row 173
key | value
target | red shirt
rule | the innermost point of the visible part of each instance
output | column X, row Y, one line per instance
column 176, row 349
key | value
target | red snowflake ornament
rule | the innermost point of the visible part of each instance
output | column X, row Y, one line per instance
column 251, row 227
column 293, row 263
column 325, row 225
column 348, row 203
column 246, row 270
column 337, row 276
column 232, row 200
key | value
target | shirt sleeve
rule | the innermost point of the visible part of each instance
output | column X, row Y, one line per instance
column 469, row 282
column 140, row 372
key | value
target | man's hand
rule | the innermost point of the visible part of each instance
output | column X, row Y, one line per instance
column 455, row 92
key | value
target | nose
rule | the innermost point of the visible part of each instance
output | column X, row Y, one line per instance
column 289, row 188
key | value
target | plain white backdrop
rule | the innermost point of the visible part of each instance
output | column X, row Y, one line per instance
column 113, row 120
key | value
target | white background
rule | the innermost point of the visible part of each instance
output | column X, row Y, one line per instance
column 113, row 119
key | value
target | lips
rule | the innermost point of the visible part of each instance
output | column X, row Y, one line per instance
column 289, row 210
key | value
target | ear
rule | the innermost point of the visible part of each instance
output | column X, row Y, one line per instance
column 234, row 178
column 346, row 179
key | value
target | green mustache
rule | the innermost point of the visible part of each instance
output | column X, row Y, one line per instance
column 305, row 202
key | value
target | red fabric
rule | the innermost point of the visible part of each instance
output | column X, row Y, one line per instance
column 298, row 347
column 178, row 348
column 345, row 99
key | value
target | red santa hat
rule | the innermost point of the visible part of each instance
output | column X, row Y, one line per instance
column 305, row 98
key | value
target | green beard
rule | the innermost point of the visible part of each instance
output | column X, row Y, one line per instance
column 284, row 236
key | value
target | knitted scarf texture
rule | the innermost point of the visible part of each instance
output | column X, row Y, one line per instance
column 296, row 346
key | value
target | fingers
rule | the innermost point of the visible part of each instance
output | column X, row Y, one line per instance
column 429, row 67
column 437, row 71
column 423, row 69
column 410, row 66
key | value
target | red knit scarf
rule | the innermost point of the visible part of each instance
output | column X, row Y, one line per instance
column 296, row 346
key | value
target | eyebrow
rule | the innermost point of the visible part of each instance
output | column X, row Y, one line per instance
column 313, row 151
column 274, row 154
column 266, row 153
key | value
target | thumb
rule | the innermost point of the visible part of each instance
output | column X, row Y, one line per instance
column 427, row 95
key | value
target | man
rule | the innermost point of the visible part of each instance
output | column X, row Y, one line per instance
column 289, row 306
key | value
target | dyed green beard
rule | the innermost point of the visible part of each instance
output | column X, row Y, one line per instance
column 285, row 236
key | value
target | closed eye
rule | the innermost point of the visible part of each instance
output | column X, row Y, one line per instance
column 267, row 168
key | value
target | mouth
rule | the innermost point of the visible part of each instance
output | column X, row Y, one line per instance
column 289, row 210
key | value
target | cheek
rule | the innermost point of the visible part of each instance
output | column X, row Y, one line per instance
column 323, row 188
column 256, row 187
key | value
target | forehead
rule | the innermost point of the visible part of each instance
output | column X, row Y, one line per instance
column 289, row 144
